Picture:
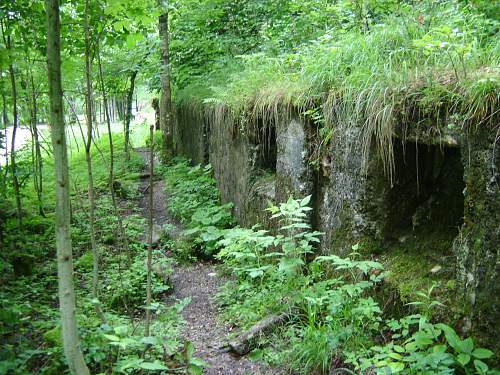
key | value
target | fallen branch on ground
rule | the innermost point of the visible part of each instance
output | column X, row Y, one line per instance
column 246, row 341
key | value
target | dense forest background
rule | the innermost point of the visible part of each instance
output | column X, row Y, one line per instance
column 125, row 67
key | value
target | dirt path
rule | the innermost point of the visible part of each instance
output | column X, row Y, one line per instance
column 199, row 282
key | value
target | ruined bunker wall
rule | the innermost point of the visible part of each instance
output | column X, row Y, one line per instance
column 358, row 199
column 442, row 202
column 264, row 164
column 344, row 194
column 231, row 156
column 191, row 133
column 477, row 248
column 294, row 176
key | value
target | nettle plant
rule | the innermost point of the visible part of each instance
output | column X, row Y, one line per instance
column 455, row 44
column 256, row 254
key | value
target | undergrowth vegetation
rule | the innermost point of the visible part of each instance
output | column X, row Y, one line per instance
column 194, row 201
column 390, row 51
column 30, row 333
column 332, row 318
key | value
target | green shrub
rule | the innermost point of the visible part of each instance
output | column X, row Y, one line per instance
column 125, row 287
column 85, row 262
column 194, row 200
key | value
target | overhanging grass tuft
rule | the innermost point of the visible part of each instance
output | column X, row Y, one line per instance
column 431, row 74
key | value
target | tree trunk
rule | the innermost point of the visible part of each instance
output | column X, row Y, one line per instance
column 15, row 120
column 156, row 106
column 67, row 306
column 5, row 119
column 150, row 227
column 94, row 113
column 100, row 113
column 73, row 111
column 5, row 122
column 128, row 114
column 166, row 118
column 94, row 119
column 120, row 109
column 38, row 164
column 88, row 157
column 123, row 236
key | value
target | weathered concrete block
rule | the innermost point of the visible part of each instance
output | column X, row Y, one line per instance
column 231, row 157
column 191, row 133
column 262, row 193
column 341, row 211
column 294, row 176
column 477, row 247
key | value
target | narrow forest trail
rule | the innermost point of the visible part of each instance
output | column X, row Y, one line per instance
column 199, row 282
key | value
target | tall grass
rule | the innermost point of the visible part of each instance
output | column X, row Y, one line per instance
column 437, row 66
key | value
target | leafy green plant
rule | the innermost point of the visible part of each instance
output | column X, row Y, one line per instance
column 125, row 286
column 129, row 348
column 449, row 41
column 207, row 226
column 195, row 201
column 335, row 320
column 189, row 188
column 417, row 347
column 426, row 302
column 194, row 366
column 464, row 351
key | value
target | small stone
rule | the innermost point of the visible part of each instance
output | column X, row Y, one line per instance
column 158, row 233
column 212, row 274
column 436, row 268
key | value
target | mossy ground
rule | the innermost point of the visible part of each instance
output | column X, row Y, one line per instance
column 420, row 269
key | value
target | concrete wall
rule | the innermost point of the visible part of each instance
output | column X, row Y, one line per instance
column 477, row 247
column 354, row 200
column 191, row 134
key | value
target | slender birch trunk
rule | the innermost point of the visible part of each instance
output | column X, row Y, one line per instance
column 150, row 234
column 15, row 123
column 5, row 122
column 73, row 111
column 5, row 119
column 166, row 118
column 67, row 305
column 128, row 113
column 123, row 236
column 88, row 144
column 38, row 161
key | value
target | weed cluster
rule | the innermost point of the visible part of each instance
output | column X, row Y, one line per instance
column 30, row 333
column 194, row 200
column 334, row 319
